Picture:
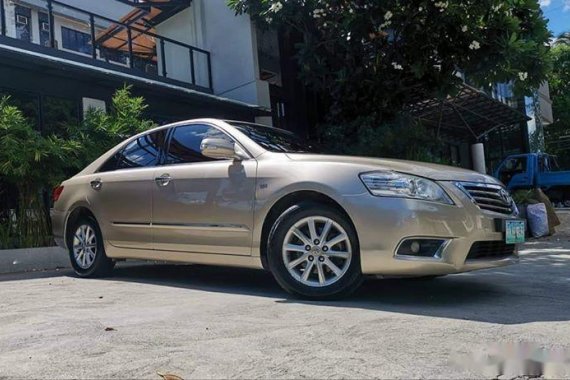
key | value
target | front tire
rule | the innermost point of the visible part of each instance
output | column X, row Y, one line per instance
column 87, row 251
column 314, row 252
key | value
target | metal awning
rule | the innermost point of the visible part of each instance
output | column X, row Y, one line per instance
column 168, row 8
column 145, row 15
column 469, row 115
column 116, row 37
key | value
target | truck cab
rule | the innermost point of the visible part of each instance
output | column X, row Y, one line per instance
column 531, row 170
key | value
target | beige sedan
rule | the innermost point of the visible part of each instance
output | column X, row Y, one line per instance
column 237, row 194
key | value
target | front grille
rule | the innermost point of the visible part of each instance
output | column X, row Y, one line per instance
column 489, row 197
column 490, row 250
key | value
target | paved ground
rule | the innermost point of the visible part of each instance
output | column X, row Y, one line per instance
column 203, row 322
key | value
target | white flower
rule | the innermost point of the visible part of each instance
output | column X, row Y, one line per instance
column 388, row 15
column 276, row 7
column 317, row 13
column 348, row 36
column 397, row 66
column 474, row 45
column 464, row 28
column 523, row 76
column 441, row 5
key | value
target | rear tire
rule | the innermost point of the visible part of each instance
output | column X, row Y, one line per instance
column 314, row 252
column 87, row 251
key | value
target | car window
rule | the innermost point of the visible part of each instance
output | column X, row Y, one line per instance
column 184, row 146
column 142, row 152
column 274, row 139
column 512, row 166
column 547, row 163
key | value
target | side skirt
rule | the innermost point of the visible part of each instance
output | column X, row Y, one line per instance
column 183, row 257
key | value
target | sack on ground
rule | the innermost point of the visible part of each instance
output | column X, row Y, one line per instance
column 537, row 219
column 553, row 220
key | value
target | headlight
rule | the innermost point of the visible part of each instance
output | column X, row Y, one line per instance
column 393, row 184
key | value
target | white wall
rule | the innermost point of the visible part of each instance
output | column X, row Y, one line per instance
column 184, row 27
column 112, row 9
column 231, row 41
column 207, row 24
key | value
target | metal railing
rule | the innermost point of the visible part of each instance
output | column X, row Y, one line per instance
column 162, row 56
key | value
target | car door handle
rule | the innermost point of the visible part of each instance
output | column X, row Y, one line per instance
column 163, row 180
column 96, row 184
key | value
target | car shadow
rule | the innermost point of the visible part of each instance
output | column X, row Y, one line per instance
column 538, row 289
column 504, row 296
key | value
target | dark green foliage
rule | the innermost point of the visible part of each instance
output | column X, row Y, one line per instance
column 370, row 57
column 31, row 162
column 34, row 163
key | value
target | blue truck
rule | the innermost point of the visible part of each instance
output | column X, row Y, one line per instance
column 536, row 170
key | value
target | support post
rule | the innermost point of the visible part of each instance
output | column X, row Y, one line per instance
column 51, row 25
column 2, row 18
column 163, row 57
column 478, row 157
column 92, row 27
column 130, row 44
column 210, row 85
column 192, row 71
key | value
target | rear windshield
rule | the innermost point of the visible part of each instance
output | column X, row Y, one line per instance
column 275, row 140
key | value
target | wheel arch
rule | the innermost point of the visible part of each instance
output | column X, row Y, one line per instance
column 286, row 202
column 77, row 213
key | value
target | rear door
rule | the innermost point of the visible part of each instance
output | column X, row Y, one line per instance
column 121, row 192
column 202, row 205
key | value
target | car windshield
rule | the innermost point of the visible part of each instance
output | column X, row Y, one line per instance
column 275, row 140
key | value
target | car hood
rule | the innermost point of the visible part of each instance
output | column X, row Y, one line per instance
column 422, row 169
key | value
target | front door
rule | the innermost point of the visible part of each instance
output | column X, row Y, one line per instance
column 202, row 205
column 121, row 192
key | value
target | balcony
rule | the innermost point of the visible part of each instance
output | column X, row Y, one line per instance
column 129, row 45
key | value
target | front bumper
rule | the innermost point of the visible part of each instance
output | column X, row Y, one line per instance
column 382, row 223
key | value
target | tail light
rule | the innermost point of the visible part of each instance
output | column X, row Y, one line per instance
column 57, row 193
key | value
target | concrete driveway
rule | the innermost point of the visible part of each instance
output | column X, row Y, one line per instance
column 207, row 322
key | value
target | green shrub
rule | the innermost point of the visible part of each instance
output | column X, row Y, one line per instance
column 31, row 162
column 100, row 131
column 34, row 164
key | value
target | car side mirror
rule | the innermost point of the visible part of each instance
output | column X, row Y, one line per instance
column 221, row 149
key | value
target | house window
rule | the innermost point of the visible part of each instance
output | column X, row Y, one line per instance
column 43, row 19
column 23, row 23
column 75, row 40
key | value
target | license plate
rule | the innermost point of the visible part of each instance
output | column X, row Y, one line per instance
column 514, row 231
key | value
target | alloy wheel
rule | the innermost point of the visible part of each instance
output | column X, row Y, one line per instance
column 84, row 246
column 317, row 251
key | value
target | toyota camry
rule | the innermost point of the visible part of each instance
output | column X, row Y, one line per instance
column 238, row 194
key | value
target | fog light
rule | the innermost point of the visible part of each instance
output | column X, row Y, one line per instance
column 421, row 247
